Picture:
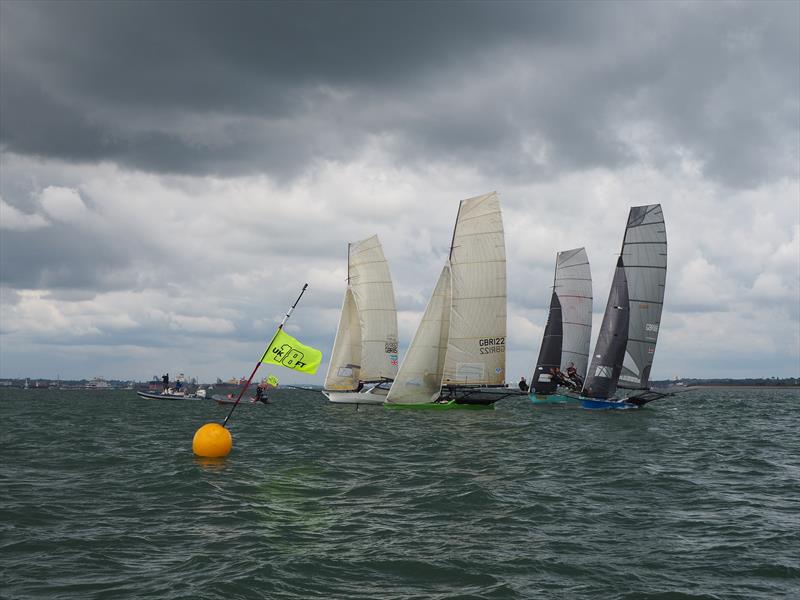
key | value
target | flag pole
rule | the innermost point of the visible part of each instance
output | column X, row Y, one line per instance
column 258, row 364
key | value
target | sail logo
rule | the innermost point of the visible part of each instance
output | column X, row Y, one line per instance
column 393, row 360
column 492, row 345
column 651, row 327
column 390, row 347
column 604, row 372
column 289, row 357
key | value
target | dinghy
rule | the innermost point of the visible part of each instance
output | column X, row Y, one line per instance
column 620, row 369
column 364, row 356
column 565, row 344
column 457, row 357
column 199, row 395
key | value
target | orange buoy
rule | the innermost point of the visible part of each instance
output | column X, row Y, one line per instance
column 212, row 440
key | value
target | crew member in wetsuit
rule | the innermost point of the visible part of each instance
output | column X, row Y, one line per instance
column 260, row 397
column 558, row 377
column 523, row 385
column 572, row 375
column 165, row 382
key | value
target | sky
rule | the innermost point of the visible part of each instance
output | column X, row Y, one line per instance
column 172, row 173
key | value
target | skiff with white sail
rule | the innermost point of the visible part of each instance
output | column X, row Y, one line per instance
column 364, row 358
column 457, row 357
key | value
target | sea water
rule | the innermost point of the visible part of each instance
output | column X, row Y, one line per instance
column 696, row 496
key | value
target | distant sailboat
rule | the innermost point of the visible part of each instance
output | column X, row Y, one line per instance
column 565, row 344
column 364, row 358
column 626, row 344
column 457, row 357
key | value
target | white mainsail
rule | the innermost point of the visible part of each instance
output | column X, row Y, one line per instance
column 365, row 348
column 461, row 339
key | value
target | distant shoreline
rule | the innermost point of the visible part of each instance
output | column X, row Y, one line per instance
column 733, row 386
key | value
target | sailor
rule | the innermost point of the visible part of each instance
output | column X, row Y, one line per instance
column 260, row 397
column 165, row 382
column 523, row 385
column 572, row 375
column 558, row 377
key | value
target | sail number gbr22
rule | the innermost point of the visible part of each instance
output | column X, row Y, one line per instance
column 492, row 345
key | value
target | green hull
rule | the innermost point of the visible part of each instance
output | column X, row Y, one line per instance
column 553, row 399
column 452, row 405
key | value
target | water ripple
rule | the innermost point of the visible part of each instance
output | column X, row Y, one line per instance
column 695, row 497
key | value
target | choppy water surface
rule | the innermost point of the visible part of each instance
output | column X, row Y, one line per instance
column 693, row 497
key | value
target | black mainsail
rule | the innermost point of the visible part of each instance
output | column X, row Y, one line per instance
column 626, row 345
column 569, row 322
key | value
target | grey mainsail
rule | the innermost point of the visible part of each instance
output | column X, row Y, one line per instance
column 644, row 252
column 569, row 322
column 627, row 342
column 609, row 352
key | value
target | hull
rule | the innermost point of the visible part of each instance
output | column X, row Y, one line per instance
column 450, row 405
column 376, row 395
column 553, row 399
column 462, row 398
column 222, row 401
column 600, row 404
column 153, row 396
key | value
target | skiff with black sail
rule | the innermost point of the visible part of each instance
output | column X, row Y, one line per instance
column 564, row 353
column 620, row 369
column 364, row 358
column 457, row 357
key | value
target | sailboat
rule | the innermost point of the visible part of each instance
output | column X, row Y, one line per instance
column 364, row 357
column 457, row 357
column 620, row 369
column 564, row 353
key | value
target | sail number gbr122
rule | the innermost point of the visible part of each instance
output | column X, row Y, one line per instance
column 492, row 345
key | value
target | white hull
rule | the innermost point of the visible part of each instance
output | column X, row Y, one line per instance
column 372, row 396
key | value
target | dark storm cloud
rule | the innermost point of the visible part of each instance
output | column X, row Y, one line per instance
column 231, row 88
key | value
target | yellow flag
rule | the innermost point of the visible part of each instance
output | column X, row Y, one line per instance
column 272, row 380
column 288, row 352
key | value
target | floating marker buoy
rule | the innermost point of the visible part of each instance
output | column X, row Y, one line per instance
column 212, row 440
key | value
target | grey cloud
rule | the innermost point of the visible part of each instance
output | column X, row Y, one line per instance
column 274, row 87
